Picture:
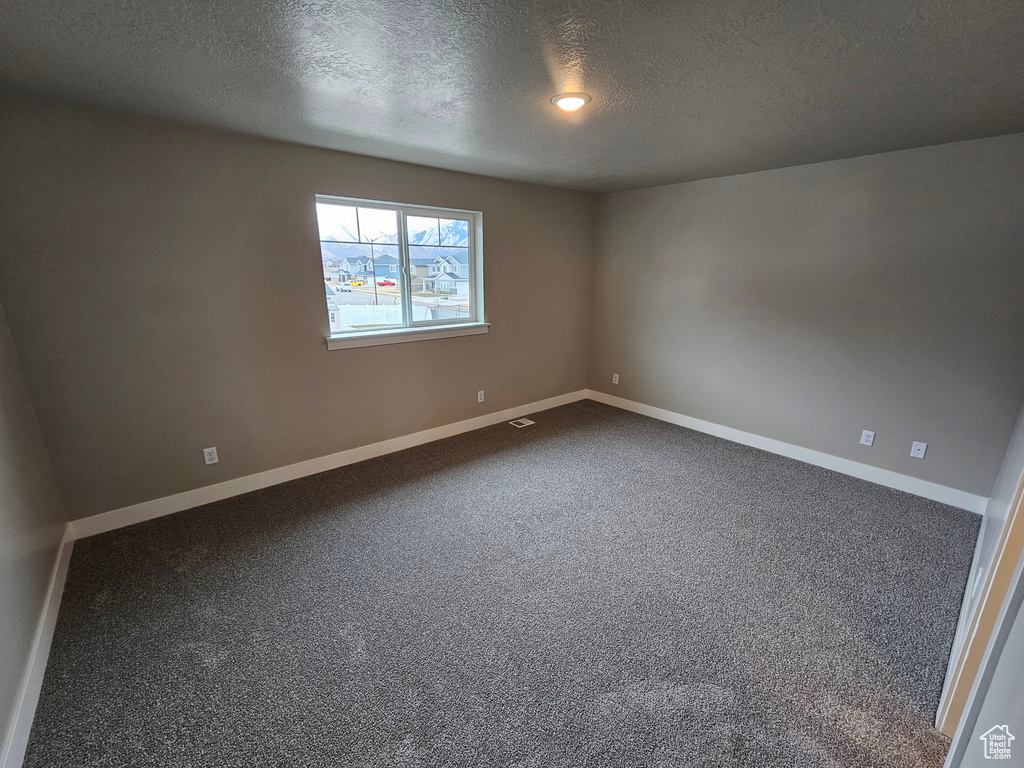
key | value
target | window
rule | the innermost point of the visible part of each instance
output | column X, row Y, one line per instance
column 375, row 254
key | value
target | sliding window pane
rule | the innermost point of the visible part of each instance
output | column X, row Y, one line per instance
column 454, row 232
column 377, row 225
column 372, row 253
column 440, row 283
column 422, row 230
column 362, row 286
column 337, row 223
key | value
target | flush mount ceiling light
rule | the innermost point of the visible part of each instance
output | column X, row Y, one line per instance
column 570, row 102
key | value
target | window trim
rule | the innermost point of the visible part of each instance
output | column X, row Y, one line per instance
column 402, row 335
column 413, row 330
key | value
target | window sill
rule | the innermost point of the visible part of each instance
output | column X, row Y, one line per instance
column 402, row 335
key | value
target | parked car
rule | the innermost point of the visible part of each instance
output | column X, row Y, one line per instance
column 357, row 282
column 345, row 287
column 385, row 282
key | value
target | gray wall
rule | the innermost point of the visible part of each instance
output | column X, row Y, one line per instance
column 31, row 524
column 809, row 303
column 1003, row 492
column 164, row 287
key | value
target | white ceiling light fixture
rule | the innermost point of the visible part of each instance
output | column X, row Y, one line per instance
column 570, row 102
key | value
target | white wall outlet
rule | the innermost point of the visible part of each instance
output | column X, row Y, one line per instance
column 210, row 455
column 867, row 437
column 615, row 378
column 917, row 450
column 480, row 396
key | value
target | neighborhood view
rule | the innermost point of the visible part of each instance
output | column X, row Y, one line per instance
column 363, row 267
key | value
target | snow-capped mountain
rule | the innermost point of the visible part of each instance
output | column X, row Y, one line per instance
column 425, row 242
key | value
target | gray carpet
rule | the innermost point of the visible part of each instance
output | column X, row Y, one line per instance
column 600, row 589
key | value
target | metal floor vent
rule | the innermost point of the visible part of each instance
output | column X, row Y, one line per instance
column 521, row 423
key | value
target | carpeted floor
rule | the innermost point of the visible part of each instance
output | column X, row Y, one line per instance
column 599, row 589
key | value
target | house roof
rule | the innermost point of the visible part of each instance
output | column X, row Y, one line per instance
column 448, row 275
column 460, row 256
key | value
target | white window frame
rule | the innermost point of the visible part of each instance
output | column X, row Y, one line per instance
column 413, row 330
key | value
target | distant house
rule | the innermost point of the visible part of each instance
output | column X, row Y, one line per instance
column 333, row 313
column 448, row 273
column 420, row 268
column 446, row 282
column 358, row 266
column 335, row 275
column 387, row 266
column 456, row 264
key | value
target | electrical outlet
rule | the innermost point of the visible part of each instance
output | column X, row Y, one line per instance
column 867, row 437
column 480, row 396
column 918, row 449
column 210, row 455
column 615, row 378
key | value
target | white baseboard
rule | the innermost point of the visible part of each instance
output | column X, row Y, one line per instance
column 960, row 499
column 13, row 754
column 16, row 740
column 147, row 510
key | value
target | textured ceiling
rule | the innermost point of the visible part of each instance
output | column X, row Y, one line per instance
column 681, row 90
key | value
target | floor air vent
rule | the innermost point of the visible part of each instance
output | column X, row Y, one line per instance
column 521, row 423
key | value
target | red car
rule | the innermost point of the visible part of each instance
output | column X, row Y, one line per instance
column 385, row 282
